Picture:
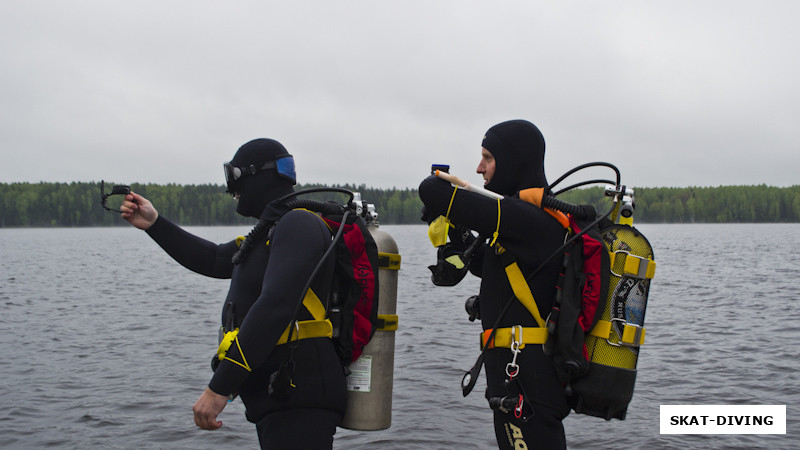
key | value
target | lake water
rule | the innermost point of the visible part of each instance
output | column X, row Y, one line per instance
column 108, row 342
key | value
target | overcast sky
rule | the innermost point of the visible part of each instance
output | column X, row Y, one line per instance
column 675, row 93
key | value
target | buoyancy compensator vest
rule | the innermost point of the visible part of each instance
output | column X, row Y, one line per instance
column 596, row 325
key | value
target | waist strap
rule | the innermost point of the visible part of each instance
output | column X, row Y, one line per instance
column 306, row 329
column 502, row 338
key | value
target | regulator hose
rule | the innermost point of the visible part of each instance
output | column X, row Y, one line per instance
column 583, row 212
column 325, row 208
column 262, row 227
column 259, row 231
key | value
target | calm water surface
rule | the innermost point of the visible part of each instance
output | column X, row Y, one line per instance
column 108, row 341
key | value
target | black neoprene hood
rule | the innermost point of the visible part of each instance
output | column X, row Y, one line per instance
column 518, row 150
column 256, row 191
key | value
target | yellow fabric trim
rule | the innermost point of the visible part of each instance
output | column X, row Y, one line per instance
column 632, row 335
column 314, row 305
column 306, row 329
column 437, row 231
column 602, row 329
column 497, row 229
column 389, row 261
column 455, row 261
column 240, row 240
column 452, row 197
column 390, row 322
column 635, row 266
column 222, row 351
column 225, row 344
column 523, row 292
column 502, row 338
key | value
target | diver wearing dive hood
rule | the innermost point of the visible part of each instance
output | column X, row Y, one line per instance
column 266, row 284
column 512, row 160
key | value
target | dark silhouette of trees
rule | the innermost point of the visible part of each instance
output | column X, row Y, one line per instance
column 77, row 204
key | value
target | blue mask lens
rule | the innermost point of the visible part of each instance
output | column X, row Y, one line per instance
column 285, row 167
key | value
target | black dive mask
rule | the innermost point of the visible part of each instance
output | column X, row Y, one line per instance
column 284, row 165
column 118, row 189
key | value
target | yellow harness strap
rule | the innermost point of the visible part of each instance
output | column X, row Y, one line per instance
column 515, row 277
column 305, row 329
column 503, row 337
column 523, row 292
column 519, row 285
column 632, row 335
column 314, row 305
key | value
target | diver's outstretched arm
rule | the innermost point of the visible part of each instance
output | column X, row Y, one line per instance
column 193, row 252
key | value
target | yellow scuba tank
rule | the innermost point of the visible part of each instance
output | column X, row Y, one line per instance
column 613, row 343
column 369, row 385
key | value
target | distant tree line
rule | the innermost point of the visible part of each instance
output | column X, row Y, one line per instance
column 723, row 204
column 77, row 204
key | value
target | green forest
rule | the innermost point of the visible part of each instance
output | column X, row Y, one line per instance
column 77, row 204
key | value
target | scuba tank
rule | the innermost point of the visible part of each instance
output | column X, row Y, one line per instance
column 371, row 378
column 613, row 344
column 369, row 369
column 601, row 382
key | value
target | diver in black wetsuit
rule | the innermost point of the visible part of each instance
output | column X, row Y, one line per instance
column 512, row 159
column 265, row 290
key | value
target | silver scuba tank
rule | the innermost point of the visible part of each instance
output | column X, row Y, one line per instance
column 371, row 379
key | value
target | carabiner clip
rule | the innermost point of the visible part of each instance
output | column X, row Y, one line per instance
column 512, row 368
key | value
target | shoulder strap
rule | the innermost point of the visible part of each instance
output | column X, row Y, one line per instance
column 519, row 285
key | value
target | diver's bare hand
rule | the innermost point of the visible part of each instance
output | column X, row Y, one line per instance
column 138, row 211
column 207, row 408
